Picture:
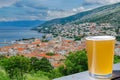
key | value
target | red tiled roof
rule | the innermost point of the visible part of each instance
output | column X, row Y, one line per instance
column 28, row 55
column 20, row 49
column 43, row 55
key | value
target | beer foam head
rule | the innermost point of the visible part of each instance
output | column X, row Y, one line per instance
column 100, row 38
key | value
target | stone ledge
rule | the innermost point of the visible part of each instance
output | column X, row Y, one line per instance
column 85, row 75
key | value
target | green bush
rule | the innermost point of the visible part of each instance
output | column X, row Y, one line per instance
column 3, row 75
column 116, row 59
column 76, row 62
column 36, row 76
column 22, row 68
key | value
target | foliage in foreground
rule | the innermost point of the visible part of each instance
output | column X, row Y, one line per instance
column 116, row 59
column 36, row 76
column 17, row 66
column 76, row 62
column 22, row 68
column 3, row 74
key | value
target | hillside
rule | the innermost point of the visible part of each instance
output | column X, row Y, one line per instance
column 108, row 13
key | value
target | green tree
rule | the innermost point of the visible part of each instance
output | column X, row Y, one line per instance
column 118, row 38
column 116, row 59
column 2, row 57
column 34, row 63
column 50, row 53
column 77, row 38
column 3, row 75
column 36, row 76
column 55, row 73
column 76, row 62
column 44, row 39
column 45, row 65
column 42, row 65
column 16, row 66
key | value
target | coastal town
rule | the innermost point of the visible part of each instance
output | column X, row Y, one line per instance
column 36, row 48
column 71, row 30
column 58, row 47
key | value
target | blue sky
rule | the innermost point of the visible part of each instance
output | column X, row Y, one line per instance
column 11, row 10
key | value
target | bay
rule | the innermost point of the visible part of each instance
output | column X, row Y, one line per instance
column 13, row 33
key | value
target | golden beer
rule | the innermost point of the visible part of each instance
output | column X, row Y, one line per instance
column 100, row 51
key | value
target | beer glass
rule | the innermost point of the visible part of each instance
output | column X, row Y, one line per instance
column 100, row 51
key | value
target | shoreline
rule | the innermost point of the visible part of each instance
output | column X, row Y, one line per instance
column 17, row 33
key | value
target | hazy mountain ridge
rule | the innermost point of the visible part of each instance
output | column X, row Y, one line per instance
column 108, row 13
column 26, row 23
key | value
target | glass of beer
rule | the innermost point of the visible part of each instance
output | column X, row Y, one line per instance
column 100, row 51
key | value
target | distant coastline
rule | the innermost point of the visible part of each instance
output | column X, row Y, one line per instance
column 13, row 33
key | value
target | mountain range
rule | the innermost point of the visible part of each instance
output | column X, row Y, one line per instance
column 105, row 14
column 23, row 23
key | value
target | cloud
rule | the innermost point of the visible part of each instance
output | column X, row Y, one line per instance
column 11, row 10
column 37, row 9
column 54, row 13
column 34, row 10
column 6, row 3
column 51, row 14
column 36, row 14
column 87, row 2
column 79, row 9
column 30, row 3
